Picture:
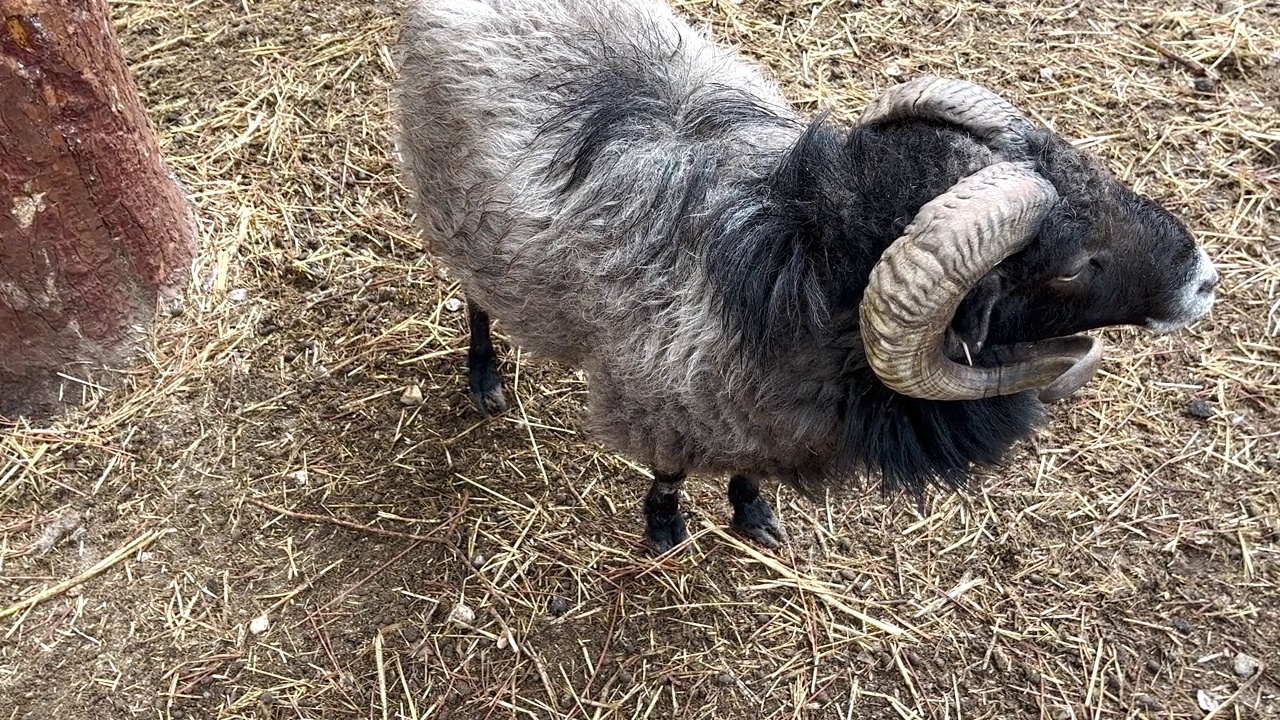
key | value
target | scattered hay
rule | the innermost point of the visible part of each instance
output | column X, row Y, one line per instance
column 310, row 536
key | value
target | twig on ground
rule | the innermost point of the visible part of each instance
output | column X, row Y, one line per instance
column 114, row 558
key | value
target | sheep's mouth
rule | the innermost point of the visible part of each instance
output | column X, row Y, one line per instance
column 1079, row 355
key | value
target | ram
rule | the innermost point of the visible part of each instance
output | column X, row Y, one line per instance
column 753, row 293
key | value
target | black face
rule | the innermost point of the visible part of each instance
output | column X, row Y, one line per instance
column 1104, row 256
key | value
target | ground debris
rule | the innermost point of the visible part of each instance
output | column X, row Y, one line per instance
column 55, row 531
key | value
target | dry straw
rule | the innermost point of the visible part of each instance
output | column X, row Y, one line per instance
column 1124, row 564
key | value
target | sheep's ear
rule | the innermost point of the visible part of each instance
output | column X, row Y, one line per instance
column 973, row 318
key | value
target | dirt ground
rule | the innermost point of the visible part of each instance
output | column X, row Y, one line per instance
column 253, row 524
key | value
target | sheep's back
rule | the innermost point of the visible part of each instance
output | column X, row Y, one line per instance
column 567, row 158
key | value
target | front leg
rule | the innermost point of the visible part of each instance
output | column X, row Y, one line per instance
column 752, row 514
column 664, row 523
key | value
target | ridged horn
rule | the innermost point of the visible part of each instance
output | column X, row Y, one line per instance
column 959, row 102
column 915, row 288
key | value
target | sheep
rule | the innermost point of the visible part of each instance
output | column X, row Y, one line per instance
column 756, row 294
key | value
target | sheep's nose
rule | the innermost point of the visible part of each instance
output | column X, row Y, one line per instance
column 1206, row 287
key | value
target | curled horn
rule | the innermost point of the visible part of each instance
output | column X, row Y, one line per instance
column 913, row 292
column 980, row 111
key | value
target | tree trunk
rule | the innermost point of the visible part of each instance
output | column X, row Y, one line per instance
column 93, row 228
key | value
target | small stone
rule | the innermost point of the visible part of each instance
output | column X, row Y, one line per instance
column 1200, row 408
column 1207, row 702
column 478, row 561
column 299, row 477
column 1153, row 666
column 462, row 689
column 725, row 678
column 238, row 295
column 442, row 274
column 1047, row 73
column 1149, row 704
column 56, row 531
column 453, row 305
column 1205, row 85
column 999, row 660
column 849, row 574
column 411, row 396
column 462, row 615
column 1183, row 626
column 559, row 606
column 259, row 625
column 1245, row 665
column 308, row 31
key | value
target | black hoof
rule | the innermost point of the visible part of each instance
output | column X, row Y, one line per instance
column 483, row 378
column 757, row 521
column 486, row 392
column 752, row 514
column 663, row 522
column 665, row 533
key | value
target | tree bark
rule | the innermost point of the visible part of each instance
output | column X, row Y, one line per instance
column 93, row 227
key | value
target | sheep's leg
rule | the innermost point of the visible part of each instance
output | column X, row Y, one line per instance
column 752, row 514
column 482, row 367
column 664, row 523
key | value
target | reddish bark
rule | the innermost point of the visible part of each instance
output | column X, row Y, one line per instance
column 92, row 225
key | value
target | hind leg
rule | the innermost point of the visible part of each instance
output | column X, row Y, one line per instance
column 752, row 514
column 482, row 368
column 664, row 523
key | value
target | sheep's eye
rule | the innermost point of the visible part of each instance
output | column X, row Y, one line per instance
column 1075, row 274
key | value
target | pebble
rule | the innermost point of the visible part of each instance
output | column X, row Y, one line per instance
column 1245, row 665
column 1200, row 408
column 453, row 305
column 1207, row 702
column 462, row 615
column 259, row 625
column 725, row 678
column 1205, row 85
column 1149, row 704
column 411, row 396
column 559, row 606
column 238, row 295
